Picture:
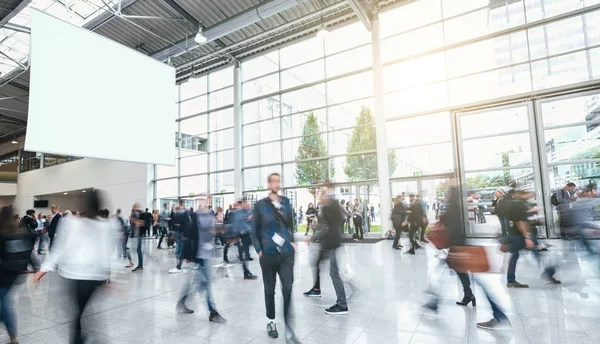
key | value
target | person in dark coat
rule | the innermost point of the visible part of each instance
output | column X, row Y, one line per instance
column 398, row 221
column 328, row 238
column 56, row 216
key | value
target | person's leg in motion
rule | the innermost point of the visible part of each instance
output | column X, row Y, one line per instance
column 467, row 292
column 517, row 243
column 340, row 307
column 269, row 266
column 140, row 255
column 500, row 320
column 411, row 237
column 315, row 291
column 286, row 276
column 84, row 290
column 7, row 314
column 397, row 230
column 246, row 242
column 358, row 226
column 162, row 231
column 225, row 252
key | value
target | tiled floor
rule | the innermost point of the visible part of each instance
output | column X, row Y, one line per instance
column 140, row 307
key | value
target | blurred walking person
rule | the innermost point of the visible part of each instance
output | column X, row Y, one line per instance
column 16, row 247
column 56, row 216
column 357, row 219
column 200, row 279
column 182, row 225
column 273, row 239
column 165, row 218
column 246, row 231
column 239, row 224
column 311, row 215
column 328, row 239
column 82, row 254
column 137, row 224
column 563, row 200
column 30, row 223
column 415, row 219
column 345, row 215
column 399, row 221
column 42, row 232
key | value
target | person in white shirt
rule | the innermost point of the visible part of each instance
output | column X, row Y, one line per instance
column 81, row 253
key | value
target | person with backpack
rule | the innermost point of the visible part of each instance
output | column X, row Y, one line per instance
column 81, row 254
column 16, row 247
column 30, row 223
column 563, row 200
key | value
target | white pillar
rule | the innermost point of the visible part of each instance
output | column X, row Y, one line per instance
column 382, row 152
column 237, row 132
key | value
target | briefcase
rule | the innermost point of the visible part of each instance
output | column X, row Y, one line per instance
column 465, row 259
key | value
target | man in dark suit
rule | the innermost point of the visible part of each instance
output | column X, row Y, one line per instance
column 56, row 216
column 147, row 218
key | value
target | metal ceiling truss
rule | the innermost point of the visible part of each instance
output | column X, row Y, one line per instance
column 363, row 12
column 14, row 12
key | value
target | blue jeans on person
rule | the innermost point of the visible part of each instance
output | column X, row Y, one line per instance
column 140, row 253
column 516, row 243
column 200, row 279
column 497, row 311
column 7, row 313
column 179, row 248
column 503, row 224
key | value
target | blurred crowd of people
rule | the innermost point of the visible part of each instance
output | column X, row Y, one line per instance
column 80, row 245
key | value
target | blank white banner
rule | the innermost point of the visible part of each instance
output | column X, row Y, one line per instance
column 93, row 97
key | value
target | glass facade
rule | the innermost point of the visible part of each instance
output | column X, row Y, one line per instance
column 308, row 108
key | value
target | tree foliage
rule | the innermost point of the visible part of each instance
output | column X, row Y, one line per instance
column 318, row 171
column 363, row 166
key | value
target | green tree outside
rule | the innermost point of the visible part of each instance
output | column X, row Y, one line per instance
column 318, row 171
column 361, row 167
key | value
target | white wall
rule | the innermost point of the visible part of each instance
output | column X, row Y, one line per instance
column 124, row 183
column 8, row 189
column 68, row 202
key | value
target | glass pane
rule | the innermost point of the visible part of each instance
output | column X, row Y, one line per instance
column 221, row 119
column 592, row 27
column 166, row 188
column 305, row 99
column 220, row 79
column 258, row 87
column 193, row 106
column 571, row 110
column 261, row 109
column 256, row 178
column 221, row 98
column 345, row 115
column 560, row 71
column 195, row 125
column 337, row 40
column 222, row 160
column 193, row 87
column 345, row 89
column 415, row 72
column 221, row 182
column 221, row 140
column 498, row 83
column 307, row 173
column 304, row 74
column 349, row 61
column 361, row 167
column 418, row 130
column 194, row 185
column 573, row 143
column 338, row 140
column 261, row 132
column 410, row 16
column 261, row 65
column 412, row 43
column 194, row 164
column 417, row 99
column 293, row 126
column 423, row 160
column 595, row 62
column 307, row 50
column 266, row 153
column 494, row 122
column 540, row 9
column 487, row 54
column 580, row 174
column 291, row 147
column 499, row 151
column 481, row 22
column 168, row 171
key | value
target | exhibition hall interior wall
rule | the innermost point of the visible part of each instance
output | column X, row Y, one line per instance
column 124, row 183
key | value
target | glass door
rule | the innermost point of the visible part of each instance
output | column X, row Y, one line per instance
column 431, row 190
column 569, row 147
column 497, row 150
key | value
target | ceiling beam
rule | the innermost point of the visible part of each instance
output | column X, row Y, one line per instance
column 13, row 119
column 197, row 25
column 14, row 12
column 362, row 12
column 107, row 16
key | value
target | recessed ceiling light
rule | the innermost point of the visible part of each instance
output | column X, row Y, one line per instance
column 83, row 190
column 66, row 193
